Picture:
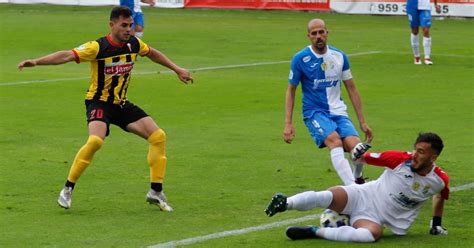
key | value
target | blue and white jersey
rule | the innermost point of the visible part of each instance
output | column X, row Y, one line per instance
column 134, row 5
column 321, row 77
column 418, row 5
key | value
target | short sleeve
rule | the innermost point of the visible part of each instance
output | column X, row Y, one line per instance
column 346, row 69
column 295, row 72
column 86, row 52
column 144, row 48
column 444, row 176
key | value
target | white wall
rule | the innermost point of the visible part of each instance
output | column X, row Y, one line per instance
column 159, row 3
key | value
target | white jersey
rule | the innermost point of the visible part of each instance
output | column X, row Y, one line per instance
column 396, row 197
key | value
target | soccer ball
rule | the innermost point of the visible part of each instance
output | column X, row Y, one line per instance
column 330, row 218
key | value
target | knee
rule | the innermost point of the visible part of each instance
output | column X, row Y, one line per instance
column 350, row 142
column 333, row 140
column 376, row 233
column 426, row 31
column 157, row 137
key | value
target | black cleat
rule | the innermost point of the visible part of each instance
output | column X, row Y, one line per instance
column 361, row 180
column 277, row 204
column 302, row 232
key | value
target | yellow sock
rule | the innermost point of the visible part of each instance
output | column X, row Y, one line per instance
column 84, row 157
column 156, row 156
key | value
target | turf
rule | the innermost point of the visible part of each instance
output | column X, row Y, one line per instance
column 225, row 150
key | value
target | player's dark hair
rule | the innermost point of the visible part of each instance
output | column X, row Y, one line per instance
column 433, row 139
column 120, row 11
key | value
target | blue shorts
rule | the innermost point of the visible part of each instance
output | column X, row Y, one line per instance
column 138, row 19
column 321, row 124
column 419, row 18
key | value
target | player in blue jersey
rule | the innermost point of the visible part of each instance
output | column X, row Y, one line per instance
column 321, row 69
column 419, row 15
column 138, row 18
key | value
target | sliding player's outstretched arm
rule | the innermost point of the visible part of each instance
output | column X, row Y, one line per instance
column 57, row 58
column 435, row 225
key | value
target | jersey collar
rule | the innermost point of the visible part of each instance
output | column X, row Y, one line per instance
column 113, row 43
column 316, row 54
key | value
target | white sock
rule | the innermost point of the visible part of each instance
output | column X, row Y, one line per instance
column 347, row 234
column 342, row 166
column 139, row 34
column 415, row 46
column 358, row 168
column 309, row 200
column 427, row 46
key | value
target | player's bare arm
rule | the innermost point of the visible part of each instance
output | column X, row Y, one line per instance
column 158, row 57
column 150, row 2
column 438, row 207
column 289, row 131
column 56, row 58
column 357, row 103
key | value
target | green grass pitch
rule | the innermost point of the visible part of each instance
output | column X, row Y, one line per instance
column 226, row 156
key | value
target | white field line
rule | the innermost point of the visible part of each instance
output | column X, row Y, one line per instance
column 263, row 227
column 168, row 71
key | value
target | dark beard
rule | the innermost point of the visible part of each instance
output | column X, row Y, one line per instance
column 320, row 48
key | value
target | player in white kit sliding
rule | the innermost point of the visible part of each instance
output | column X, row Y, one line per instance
column 394, row 199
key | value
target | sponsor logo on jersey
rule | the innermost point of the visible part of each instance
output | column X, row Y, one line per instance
column 306, row 59
column 404, row 200
column 118, row 69
column 291, row 74
column 325, row 83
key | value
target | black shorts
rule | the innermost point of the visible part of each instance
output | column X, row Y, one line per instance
column 119, row 115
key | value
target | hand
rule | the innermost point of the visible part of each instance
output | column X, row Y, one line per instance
column 368, row 132
column 438, row 9
column 288, row 133
column 26, row 63
column 184, row 75
column 438, row 230
column 150, row 2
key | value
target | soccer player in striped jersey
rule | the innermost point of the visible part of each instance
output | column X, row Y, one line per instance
column 112, row 59
column 321, row 70
column 419, row 15
column 393, row 200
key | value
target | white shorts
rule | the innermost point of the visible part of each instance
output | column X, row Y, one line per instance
column 361, row 204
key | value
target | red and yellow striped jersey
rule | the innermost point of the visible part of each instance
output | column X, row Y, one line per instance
column 111, row 66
